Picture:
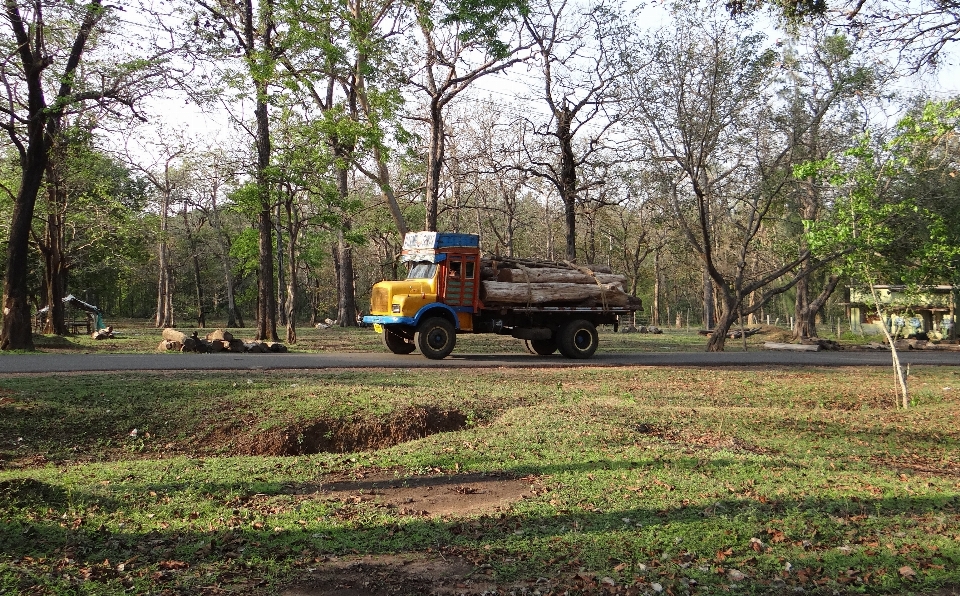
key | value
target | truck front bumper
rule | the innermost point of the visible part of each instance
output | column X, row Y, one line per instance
column 388, row 320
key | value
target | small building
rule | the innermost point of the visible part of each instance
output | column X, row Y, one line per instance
column 931, row 312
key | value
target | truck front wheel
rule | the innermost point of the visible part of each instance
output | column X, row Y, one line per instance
column 396, row 343
column 578, row 339
column 540, row 347
column 436, row 338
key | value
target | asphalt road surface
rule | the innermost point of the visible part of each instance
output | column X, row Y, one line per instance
column 62, row 363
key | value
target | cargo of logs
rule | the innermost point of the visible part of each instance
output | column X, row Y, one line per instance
column 215, row 341
column 515, row 282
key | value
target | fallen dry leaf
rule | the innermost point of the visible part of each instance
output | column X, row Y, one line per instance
column 907, row 572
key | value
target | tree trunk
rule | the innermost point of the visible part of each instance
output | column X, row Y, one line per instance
column 266, row 297
column 197, row 277
column 346, row 294
column 387, row 191
column 709, row 306
column 568, row 180
column 281, row 272
column 55, row 272
column 496, row 292
column 806, row 311
column 17, row 331
column 164, row 316
column 728, row 316
column 553, row 275
column 435, row 151
column 290, row 304
column 655, row 310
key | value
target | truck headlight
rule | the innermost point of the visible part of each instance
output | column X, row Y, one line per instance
column 396, row 308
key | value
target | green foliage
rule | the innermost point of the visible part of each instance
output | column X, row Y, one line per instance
column 882, row 223
column 246, row 199
column 483, row 20
column 245, row 249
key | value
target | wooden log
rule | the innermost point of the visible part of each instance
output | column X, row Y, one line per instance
column 497, row 292
column 551, row 275
column 219, row 335
column 170, row 334
column 236, row 345
column 499, row 262
column 770, row 345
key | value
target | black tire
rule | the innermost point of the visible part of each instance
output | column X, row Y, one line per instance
column 540, row 347
column 436, row 338
column 578, row 339
column 396, row 343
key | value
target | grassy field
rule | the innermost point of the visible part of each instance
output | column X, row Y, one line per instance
column 137, row 336
column 580, row 481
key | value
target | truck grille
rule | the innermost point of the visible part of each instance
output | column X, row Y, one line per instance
column 379, row 301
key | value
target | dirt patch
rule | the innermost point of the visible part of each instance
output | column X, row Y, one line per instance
column 409, row 575
column 444, row 495
column 326, row 435
column 707, row 440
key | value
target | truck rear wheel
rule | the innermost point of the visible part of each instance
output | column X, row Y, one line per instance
column 436, row 338
column 578, row 339
column 540, row 347
column 396, row 343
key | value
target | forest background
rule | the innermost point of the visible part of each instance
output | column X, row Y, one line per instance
column 732, row 160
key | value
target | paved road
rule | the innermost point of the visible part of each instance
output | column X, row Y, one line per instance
column 55, row 363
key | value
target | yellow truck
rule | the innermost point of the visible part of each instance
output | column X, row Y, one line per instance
column 443, row 295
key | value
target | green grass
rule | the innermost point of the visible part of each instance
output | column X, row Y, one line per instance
column 794, row 477
column 137, row 336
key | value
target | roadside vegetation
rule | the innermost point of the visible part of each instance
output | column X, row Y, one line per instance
column 633, row 481
column 138, row 336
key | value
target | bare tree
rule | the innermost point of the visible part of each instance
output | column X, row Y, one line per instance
column 701, row 105
column 449, row 64
column 825, row 88
column 577, row 88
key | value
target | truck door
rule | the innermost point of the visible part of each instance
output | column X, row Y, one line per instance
column 461, row 281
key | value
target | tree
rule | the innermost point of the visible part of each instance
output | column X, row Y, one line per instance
column 84, row 208
column 822, row 82
column 249, row 29
column 459, row 43
column 887, row 230
column 578, row 89
column 917, row 32
column 33, row 123
column 700, row 108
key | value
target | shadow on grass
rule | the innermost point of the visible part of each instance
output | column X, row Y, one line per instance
column 839, row 542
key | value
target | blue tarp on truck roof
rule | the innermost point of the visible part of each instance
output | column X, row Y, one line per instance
column 438, row 240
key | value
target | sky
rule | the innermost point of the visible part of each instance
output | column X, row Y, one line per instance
column 213, row 125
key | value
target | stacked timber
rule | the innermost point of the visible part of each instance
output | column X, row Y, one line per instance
column 215, row 341
column 521, row 282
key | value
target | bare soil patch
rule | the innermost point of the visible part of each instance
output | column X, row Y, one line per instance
column 411, row 574
column 444, row 495
column 335, row 435
column 408, row 574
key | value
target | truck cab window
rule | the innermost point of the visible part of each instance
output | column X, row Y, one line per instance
column 422, row 270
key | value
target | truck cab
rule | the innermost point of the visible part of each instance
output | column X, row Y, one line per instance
column 439, row 297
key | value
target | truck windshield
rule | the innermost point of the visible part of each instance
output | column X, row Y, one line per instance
column 422, row 270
